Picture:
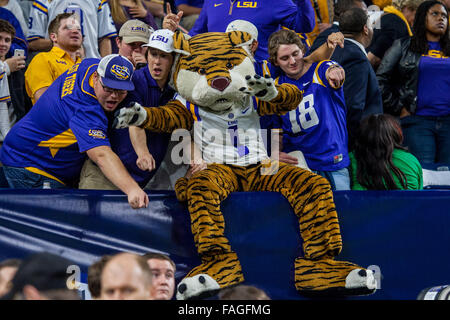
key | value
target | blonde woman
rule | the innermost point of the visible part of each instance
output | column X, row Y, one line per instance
column 124, row 10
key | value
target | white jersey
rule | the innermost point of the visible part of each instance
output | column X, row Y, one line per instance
column 234, row 137
column 7, row 116
column 94, row 16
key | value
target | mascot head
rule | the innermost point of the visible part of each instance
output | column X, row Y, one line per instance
column 211, row 68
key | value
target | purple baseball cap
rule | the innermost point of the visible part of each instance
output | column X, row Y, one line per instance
column 116, row 72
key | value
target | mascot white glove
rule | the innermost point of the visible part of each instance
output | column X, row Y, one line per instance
column 133, row 115
column 262, row 88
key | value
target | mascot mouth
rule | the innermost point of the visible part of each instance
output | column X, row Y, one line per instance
column 222, row 100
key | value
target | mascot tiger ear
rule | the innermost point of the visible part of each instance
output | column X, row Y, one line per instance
column 181, row 43
column 241, row 39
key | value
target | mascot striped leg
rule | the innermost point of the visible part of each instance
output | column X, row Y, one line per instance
column 205, row 191
column 311, row 198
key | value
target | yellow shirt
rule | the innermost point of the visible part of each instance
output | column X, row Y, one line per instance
column 45, row 68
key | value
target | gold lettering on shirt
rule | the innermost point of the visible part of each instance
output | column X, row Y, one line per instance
column 247, row 4
column 436, row 54
column 69, row 83
column 73, row 69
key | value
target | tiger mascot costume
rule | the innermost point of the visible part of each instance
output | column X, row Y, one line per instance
column 214, row 76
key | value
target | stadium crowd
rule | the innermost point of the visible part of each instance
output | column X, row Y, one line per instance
column 376, row 130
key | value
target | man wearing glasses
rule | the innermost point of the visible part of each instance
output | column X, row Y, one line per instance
column 142, row 151
column 68, row 123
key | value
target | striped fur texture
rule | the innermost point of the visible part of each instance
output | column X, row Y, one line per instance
column 289, row 97
column 321, row 275
column 215, row 55
column 212, row 54
column 311, row 198
column 168, row 118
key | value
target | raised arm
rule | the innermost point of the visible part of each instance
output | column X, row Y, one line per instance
column 325, row 51
column 104, row 46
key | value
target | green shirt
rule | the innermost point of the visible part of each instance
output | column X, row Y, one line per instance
column 404, row 161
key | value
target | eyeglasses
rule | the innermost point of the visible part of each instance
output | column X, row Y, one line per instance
column 111, row 91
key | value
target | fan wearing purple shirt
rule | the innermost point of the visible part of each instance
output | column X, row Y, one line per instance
column 268, row 16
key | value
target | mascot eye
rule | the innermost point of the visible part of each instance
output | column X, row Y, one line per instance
column 229, row 65
column 202, row 71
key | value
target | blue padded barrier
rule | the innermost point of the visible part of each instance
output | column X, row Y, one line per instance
column 403, row 234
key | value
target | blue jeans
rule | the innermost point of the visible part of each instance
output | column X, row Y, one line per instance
column 20, row 178
column 427, row 138
column 339, row 179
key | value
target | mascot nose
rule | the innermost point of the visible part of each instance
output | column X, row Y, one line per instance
column 220, row 83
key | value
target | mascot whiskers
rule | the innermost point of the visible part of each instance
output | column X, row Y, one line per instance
column 218, row 90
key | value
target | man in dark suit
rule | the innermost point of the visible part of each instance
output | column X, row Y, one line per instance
column 361, row 91
column 340, row 7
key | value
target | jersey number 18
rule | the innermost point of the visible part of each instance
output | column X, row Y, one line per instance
column 304, row 116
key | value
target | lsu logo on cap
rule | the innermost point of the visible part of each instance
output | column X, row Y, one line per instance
column 120, row 72
column 159, row 37
column 138, row 29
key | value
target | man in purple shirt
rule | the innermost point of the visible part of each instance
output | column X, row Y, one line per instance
column 143, row 153
column 191, row 10
column 268, row 16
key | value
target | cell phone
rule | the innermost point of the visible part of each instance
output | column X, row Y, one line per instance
column 19, row 53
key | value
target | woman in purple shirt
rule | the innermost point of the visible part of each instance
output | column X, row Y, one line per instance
column 415, row 85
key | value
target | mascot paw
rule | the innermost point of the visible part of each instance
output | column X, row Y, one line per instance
column 262, row 88
column 134, row 115
column 198, row 286
column 329, row 277
column 361, row 280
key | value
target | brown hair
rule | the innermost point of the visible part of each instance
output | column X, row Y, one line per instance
column 94, row 276
column 15, row 263
column 159, row 256
column 7, row 27
column 118, row 12
column 283, row 36
column 56, row 23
